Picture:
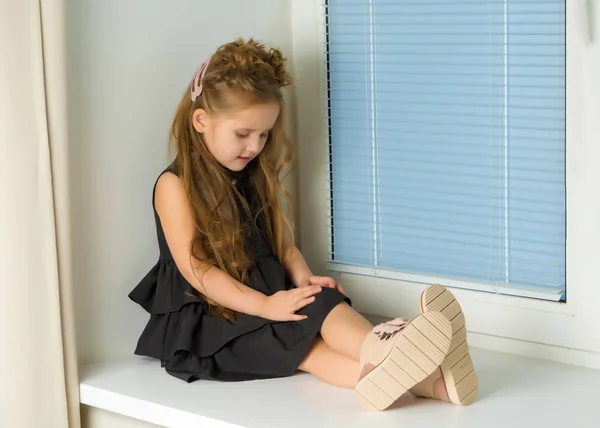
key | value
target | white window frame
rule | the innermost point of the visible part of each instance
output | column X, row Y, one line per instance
column 567, row 332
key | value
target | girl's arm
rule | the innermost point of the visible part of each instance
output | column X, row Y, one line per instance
column 177, row 221
column 178, row 225
column 295, row 264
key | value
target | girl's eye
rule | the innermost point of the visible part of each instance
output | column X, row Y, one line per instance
column 241, row 135
column 265, row 135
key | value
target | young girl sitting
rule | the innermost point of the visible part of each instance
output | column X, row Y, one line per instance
column 231, row 297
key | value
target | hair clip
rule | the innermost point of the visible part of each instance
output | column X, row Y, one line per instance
column 197, row 85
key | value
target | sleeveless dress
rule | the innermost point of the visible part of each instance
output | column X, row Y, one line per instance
column 193, row 344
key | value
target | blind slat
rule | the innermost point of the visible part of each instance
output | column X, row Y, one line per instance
column 552, row 193
column 466, row 132
column 458, row 236
column 522, row 208
column 460, row 220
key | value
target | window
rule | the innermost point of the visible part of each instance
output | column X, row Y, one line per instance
column 447, row 142
column 537, row 327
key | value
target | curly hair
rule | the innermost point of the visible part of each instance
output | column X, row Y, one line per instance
column 239, row 73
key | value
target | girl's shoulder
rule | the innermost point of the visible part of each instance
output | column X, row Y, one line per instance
column 162, row 181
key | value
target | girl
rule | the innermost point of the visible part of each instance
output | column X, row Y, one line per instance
column 231, row 297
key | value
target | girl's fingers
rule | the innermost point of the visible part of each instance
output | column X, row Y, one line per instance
column 323, row 280
column 298, row 317
column 302, row 303
column 308, row 291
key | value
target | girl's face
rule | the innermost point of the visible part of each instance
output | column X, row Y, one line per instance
column 235, row 138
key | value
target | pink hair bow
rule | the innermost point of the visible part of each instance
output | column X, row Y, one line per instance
column 197, row 85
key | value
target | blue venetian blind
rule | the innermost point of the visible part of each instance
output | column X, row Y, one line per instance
column 447, row 138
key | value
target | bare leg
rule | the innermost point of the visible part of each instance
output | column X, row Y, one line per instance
column 344, row 330
column 432, row 387
column 330, row 366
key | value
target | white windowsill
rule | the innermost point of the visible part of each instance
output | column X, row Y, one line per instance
column 514, row 391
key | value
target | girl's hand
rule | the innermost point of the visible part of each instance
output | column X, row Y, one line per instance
column 282, row 305
column 323, row 281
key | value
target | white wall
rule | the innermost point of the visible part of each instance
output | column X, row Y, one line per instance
column 129, row 64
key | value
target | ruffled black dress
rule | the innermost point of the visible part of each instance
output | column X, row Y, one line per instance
column 193, row 344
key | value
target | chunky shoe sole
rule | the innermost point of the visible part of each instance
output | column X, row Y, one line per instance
column 418, row 351
column 457, row 368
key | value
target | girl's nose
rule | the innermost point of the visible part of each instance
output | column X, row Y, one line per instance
column 255, row 145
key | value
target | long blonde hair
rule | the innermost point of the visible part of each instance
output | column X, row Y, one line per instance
column 241, row 71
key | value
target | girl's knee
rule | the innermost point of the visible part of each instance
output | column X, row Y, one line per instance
column 326, row 300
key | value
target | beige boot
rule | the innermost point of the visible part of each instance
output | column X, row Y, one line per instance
column 457, row 368
column 398, row 355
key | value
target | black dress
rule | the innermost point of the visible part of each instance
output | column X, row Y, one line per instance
column 193, row 344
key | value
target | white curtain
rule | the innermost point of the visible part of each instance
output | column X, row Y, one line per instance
column 38, row 365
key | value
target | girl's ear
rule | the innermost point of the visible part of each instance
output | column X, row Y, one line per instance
column 199, row 120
